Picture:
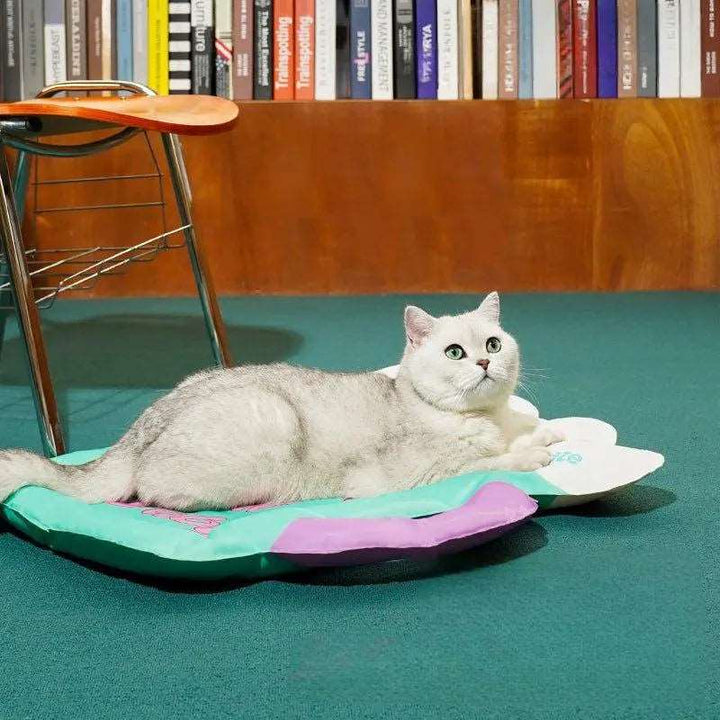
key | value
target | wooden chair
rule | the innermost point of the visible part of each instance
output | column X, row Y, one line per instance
column 23, row 125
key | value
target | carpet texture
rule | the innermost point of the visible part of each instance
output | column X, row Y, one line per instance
column 605, row 611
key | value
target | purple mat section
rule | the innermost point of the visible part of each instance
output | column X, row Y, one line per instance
column 495, row 509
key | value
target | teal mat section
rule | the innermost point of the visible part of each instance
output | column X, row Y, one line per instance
column 606, row 611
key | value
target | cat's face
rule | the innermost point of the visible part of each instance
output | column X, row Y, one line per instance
column 464, row 362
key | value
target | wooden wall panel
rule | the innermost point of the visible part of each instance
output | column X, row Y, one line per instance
column 657, row 179
column 359, row 197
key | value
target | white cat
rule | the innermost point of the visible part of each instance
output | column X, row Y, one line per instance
column 279, row 433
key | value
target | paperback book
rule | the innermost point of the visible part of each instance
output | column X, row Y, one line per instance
column 76, row 39
column 448, row 76
column 263, row 50
column 381, row 44
column 54, row 37
column 489, row 44
column 202, row 53
column 647, row 48
column 223, row 49
column 33, row 70
column 242, row 43
column 564, row 49
column 124, row 38
column 304, row 49
column 11, row 48
column 710, row 81
column 360, row 70
column 404, row 50
column 426, row 44
column 585, row 49
column 668, row 48
column 627, row 48
column 508, row 49
column 607, row 33
column 325, row 16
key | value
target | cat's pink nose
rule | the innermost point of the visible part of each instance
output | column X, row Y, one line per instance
column 483, row 364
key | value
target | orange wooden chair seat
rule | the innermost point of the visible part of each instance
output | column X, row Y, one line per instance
column 179, row 114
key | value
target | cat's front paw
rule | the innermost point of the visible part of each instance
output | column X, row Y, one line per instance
column 547, row 435
column 540, row 438
column 529, row 459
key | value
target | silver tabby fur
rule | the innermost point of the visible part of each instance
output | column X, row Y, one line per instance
column 279, row 433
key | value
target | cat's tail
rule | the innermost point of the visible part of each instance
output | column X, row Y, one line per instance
column 109, row 478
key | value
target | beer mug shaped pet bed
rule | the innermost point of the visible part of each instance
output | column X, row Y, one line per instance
column 257, row 541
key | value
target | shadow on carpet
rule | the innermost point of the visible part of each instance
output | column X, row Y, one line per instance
column 635, row 500
column 140, row 351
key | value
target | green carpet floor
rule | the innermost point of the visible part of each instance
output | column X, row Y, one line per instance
column 606, row 611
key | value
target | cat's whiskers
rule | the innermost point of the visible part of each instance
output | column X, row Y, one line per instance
column 529, row 376
column 532, row 395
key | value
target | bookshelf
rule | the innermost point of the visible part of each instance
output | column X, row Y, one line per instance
column 413, row 196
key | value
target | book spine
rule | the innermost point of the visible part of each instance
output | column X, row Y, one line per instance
column 690, row 41
column 475, row 49
column 585, row 49
column 139, row 33
column 283, row 36
column 647, row 48
column 304, row 49
column 710, row 49
column 325, row 49
column 607, row 36
column 404, row 60
column 263, row 49
column 525, row 58
column 668, row 48
column 107, row 32
column 447, row 22
column 467, row 70
column 381, row 44
column 490, row 20
column 627, row 48
column 360, row 65
column 242, row 51
column 10, row 43
column 158, row 18
column 32, row 48
column 564, row 49
column 55, row 66
column 94, row 39
column 508, row 78
column 202, row 53
column 544, row 14
column 180, row 48
column 426, row 44
column 124, row 39
column 76, row 37
column 223, row 49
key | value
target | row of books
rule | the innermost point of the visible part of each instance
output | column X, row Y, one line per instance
column 379, row 49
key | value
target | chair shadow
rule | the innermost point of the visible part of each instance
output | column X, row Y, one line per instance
column 634, row 500
column 139, row 351
column 527, row 539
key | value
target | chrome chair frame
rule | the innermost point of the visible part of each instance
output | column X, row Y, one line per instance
column 18, row 133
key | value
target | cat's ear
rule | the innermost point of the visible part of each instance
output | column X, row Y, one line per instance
column 490, row 308
column 418, row 325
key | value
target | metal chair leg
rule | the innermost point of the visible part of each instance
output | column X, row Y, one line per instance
column 22, row 176
column 213, row 318
column 27, row 314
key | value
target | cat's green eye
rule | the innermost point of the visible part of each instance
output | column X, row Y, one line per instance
column 493, row 345
column 455, row 352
